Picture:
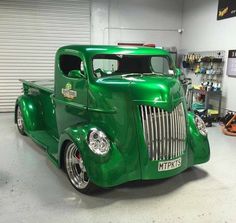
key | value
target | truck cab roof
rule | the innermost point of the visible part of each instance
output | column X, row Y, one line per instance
column 92, row 50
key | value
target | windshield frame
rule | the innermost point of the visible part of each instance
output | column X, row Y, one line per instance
column 116, row 56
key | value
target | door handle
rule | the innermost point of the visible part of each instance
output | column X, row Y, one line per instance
column 52, row 96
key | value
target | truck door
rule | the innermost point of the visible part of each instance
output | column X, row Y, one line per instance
column 70, row 90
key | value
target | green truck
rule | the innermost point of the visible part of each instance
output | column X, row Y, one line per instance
column 112, row 114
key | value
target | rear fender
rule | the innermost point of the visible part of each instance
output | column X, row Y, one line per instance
column 31, row 112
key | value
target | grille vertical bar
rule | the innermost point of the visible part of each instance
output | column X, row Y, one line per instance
column 172, row 135
column 156, row 145
column 176, row 133
column 164, row 132
column 167, row 135
column 160, row 137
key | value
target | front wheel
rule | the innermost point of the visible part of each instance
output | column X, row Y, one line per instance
column 76, row 170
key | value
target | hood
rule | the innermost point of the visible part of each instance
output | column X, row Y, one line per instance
column 162, row 91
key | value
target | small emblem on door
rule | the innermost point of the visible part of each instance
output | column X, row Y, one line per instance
column 67, row 92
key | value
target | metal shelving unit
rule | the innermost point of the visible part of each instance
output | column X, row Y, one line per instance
column 209, row 95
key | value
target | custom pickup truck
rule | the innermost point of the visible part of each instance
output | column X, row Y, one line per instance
column 112, row 114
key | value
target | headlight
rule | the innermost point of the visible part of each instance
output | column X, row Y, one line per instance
column 200, row 125
column 98, row 142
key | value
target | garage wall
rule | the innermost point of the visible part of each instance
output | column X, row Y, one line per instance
column 150, row 21
column 30, row 33
column 203, row 32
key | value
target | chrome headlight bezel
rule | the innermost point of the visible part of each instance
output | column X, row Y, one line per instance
column 200, row 125
column 98, row 142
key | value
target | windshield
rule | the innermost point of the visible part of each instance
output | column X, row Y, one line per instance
column 108, row 65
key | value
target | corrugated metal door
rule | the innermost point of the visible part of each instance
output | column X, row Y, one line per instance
column 30, row 33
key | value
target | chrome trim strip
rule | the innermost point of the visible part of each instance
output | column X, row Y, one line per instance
column 152, row 132
column 160, row 129
column 156, row 145
column 182, row 132
column 172, row 135
column 179, row 136
column 164, row 134
column 167, row 135
column 175, row 143
column 144, row 123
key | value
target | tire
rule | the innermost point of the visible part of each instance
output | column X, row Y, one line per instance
column 20, row 121
column 75, row 170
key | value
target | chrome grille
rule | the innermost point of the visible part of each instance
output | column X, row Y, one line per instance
column 164, row 132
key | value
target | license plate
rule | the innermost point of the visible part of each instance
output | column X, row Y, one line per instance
column 169, row 165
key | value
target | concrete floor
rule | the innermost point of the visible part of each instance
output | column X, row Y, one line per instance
column 33, row 190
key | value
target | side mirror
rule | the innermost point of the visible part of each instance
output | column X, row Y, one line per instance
column 76, row 74
column 178, row 72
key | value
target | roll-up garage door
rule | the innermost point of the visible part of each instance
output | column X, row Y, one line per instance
column 30, row 33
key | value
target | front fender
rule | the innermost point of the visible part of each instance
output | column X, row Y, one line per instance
column 104, row 171
column 31, row 112
column 198, row 143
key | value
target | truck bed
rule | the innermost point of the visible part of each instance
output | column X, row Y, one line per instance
column 44, row 130
column 46, row 85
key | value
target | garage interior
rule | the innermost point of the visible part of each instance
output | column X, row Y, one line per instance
column 32, row 189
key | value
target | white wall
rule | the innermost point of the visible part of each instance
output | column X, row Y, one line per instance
column 150, row 21
column 202, row 32
column 157, row 22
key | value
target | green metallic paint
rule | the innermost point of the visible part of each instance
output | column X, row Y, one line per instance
column 109, row 104
column 31, row 114
column 108, row 170
column 198, row 143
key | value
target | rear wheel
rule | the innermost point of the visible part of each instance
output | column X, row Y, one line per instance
column 76, row 170
column 20, row 121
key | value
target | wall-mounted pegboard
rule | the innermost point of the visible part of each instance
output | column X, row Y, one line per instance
column 208, row 66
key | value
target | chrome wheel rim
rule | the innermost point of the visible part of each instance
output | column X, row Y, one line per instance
column 75, row 167
column 20, row 121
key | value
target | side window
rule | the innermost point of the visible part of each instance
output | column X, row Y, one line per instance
column 69, row 63
column 161, row 65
